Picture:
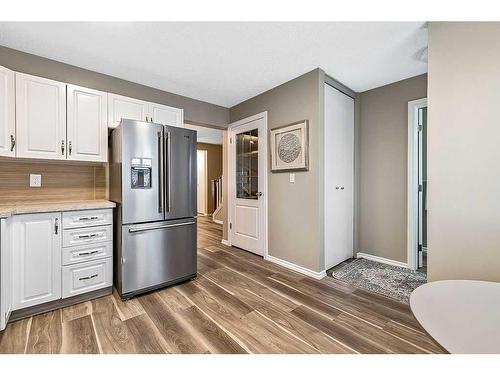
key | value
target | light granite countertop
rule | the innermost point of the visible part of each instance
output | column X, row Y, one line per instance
column 7, row 210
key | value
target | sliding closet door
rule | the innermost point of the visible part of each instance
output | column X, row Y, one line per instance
column 339, row 176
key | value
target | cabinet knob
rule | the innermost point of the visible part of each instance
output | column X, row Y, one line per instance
column 62, row 147
column 342, row 188
column 336, row 188
column 12, row 142
column 70, row 147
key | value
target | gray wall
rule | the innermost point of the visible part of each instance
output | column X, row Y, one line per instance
column 195, row 111
column 295, row 210
column 464, row 151
column 382, row 175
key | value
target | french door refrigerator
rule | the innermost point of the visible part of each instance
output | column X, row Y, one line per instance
column 153, row 182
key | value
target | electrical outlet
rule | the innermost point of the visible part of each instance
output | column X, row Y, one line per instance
column 35, row 180
column 292, row 178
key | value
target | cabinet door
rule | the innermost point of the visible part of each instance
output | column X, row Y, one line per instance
column 40, row 118
column 36, row 259
column 7, row 112
column 123, row 107
column 165, row 115
column 5, row 272
column 87, row 124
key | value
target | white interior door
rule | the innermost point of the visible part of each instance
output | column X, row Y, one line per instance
column 202, row 181
column 339, row 176
column 248, row 169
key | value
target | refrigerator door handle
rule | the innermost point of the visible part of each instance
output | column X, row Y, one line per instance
column 169, row 170
column 160, row 174
column 155, row 227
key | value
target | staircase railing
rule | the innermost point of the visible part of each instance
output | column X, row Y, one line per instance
column 217, row 193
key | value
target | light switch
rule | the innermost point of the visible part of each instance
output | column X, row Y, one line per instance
column 35, row 180
column 292, row 178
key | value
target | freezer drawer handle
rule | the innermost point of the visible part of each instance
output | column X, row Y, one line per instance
column 93, row 235
column 88, row 277
column 142, row 229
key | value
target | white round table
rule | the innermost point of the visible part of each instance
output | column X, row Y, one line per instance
column 461, row 315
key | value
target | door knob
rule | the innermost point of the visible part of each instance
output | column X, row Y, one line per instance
column 259, row 194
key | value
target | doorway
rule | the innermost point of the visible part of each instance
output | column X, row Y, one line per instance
column 417, row 185
column 202, row 181
column 210, row 171
column 248, row 184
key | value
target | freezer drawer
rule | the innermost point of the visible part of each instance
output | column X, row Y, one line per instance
column 156, row 254
column 83, row 236
column 86, row 277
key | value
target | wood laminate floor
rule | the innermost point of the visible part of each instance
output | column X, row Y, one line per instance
column 239, row 303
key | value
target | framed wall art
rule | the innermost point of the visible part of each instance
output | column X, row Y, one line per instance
column 289, row 147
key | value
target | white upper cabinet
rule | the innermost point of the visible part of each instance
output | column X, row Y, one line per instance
column 7, row 112
column 165, row 115
column 36, row 259
column 40, row 118
column 123, row 107
column 87, row 124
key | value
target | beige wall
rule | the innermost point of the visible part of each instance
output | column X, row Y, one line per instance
column 295, row 213
column 195, row 111
column 214, row 169
column 382, row 152
column 464, row 151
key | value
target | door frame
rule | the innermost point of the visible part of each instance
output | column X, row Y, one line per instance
column 205, row 167
column 412, row 188
column 231, row 131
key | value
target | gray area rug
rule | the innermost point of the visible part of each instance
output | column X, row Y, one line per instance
column 390, row 281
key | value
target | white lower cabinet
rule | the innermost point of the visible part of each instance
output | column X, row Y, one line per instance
column 5, row 272
column 36, row 257
column 86, row 277
column 87, row 251
column 44, row 261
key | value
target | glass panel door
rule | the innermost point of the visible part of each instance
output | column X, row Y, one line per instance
column 247, row 167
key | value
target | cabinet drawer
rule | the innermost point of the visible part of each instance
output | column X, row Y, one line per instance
column 78, row 254
column 87, row 218
column 86, row 277
column 85, row 236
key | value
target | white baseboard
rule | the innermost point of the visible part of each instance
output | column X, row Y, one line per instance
column 381, row 260
column 217, row 221
column 294, row 267
column 225, row 242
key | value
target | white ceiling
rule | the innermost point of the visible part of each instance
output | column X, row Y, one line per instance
column 207, row 135
column 227, row 63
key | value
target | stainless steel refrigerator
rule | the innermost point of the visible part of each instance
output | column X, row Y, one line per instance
column 153, row 182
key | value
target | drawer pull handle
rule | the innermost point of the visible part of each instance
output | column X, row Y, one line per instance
column 88, row 218
column 84, row 236
column 88, row 253
column 88, row 277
